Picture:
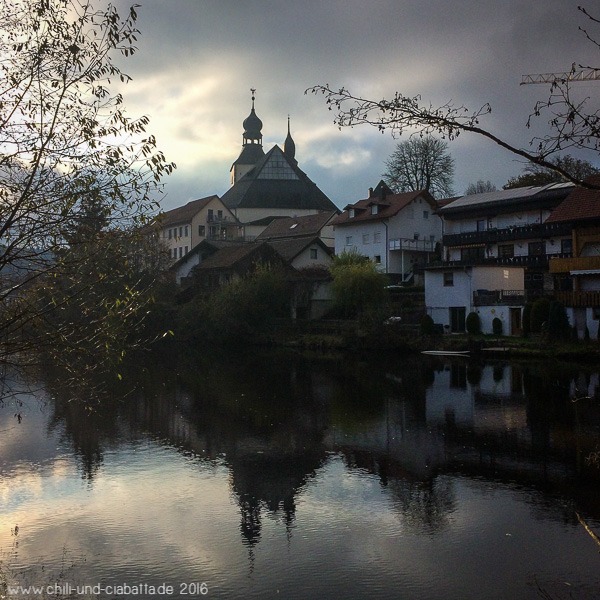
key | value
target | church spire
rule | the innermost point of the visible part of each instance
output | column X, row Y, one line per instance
column 289, row 147
column 252, row 125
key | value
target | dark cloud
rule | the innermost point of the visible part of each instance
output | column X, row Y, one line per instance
column 198, row 59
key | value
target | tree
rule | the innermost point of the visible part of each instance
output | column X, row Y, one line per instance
column 481, row 187
column 72, row 164
column 421, row 163
column 574, row 124
column 534, row 175
column 358, row 287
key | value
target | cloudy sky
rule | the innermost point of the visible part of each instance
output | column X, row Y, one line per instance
column 198, row 59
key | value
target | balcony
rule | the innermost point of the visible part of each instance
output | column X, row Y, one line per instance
column 218, row 219
column 579, row 299
column 496, row 297
column 521, row 232
column 411, row 245
column 527, row 261
column 580, row 263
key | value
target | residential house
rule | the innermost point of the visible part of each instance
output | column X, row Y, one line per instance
column 399, row 232
column 183, row 228
column 496, row 251
column 577, row 276
column 309, row 226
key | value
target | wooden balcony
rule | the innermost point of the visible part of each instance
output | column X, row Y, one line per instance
column 534, row 231
column 497, row 297
column 579, row 299
column 580, row 263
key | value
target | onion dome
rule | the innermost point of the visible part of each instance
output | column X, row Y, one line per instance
column 252, row 126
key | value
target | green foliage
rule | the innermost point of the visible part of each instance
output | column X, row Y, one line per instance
column 539, row 314
column 497, row 326
column 558, row 322
column 427, row 325
column 358, row 287
column 245, row 309
column 80, row 179
column 526, row 319
column 534, row 175
column 473, row 323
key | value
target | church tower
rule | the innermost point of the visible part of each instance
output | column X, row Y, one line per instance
column 252, row 150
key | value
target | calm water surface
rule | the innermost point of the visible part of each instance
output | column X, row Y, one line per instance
column 280, row 476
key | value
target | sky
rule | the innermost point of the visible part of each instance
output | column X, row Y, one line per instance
column 198, row 59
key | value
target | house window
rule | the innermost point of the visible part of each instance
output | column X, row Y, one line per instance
column 180, row 251
column 210, row 214
column 426, row 214
column 186, row 231
column 448, row 279
column 377, row 259
column 201, row 230
column 416, row 235
column 174, row 252
column 374, row 209
column 314, row 253
column 186, row 250
column 506, row 250
column 366, row 238
column 536, row 248
column 170, row 235
column 481, row 225
column 566, row 246
column 377, row 237
column 219, row 214
column 351, row 213
column 348, row 240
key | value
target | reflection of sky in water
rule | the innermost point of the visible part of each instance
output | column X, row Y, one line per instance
column 155, row 511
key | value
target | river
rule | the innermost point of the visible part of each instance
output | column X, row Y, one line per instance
column 277, row 475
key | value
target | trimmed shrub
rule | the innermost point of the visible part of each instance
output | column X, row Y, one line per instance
column 558, row 322
column 427, row 325
column 473, row 323
column 540, row 312
column 497, row 326
column 526, row 319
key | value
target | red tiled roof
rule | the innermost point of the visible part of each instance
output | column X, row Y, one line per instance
column 389, row 206
column 184, row 214
column 581, row 203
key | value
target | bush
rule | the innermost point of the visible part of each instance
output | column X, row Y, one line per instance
column 558, row 322
column 427, row 325
column 473, row 323
column 497, row 326
column 527, row 319
column 540, row 311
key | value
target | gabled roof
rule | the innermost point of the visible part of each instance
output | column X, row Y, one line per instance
column 184, row 214
column 291, row 227
column 289, row 249
column 582, row 203
column 507, row 199
column 276, row 182
column 205, row 246
column 228, row 256
column 389, row 206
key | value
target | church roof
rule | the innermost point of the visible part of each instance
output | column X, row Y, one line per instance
column 275, row 181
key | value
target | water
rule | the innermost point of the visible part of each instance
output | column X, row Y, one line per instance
column 279, row 476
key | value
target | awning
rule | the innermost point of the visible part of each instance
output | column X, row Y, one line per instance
column 586, row 272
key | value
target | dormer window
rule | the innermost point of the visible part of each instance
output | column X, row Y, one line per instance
column 351, row 213
column 374, row 209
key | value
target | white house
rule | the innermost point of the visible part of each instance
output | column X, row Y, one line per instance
column 399, row 232
column 451, row 293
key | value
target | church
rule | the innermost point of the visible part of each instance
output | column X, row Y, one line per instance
column 272, row 185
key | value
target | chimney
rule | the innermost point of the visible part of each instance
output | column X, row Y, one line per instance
column 370, row 192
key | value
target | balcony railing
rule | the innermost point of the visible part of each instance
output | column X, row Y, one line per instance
column 534, row 260
column 218, row 219
column 517, row 232
column 495, row 297
column 579, row 299
column 412, row 245
column 579, row 263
